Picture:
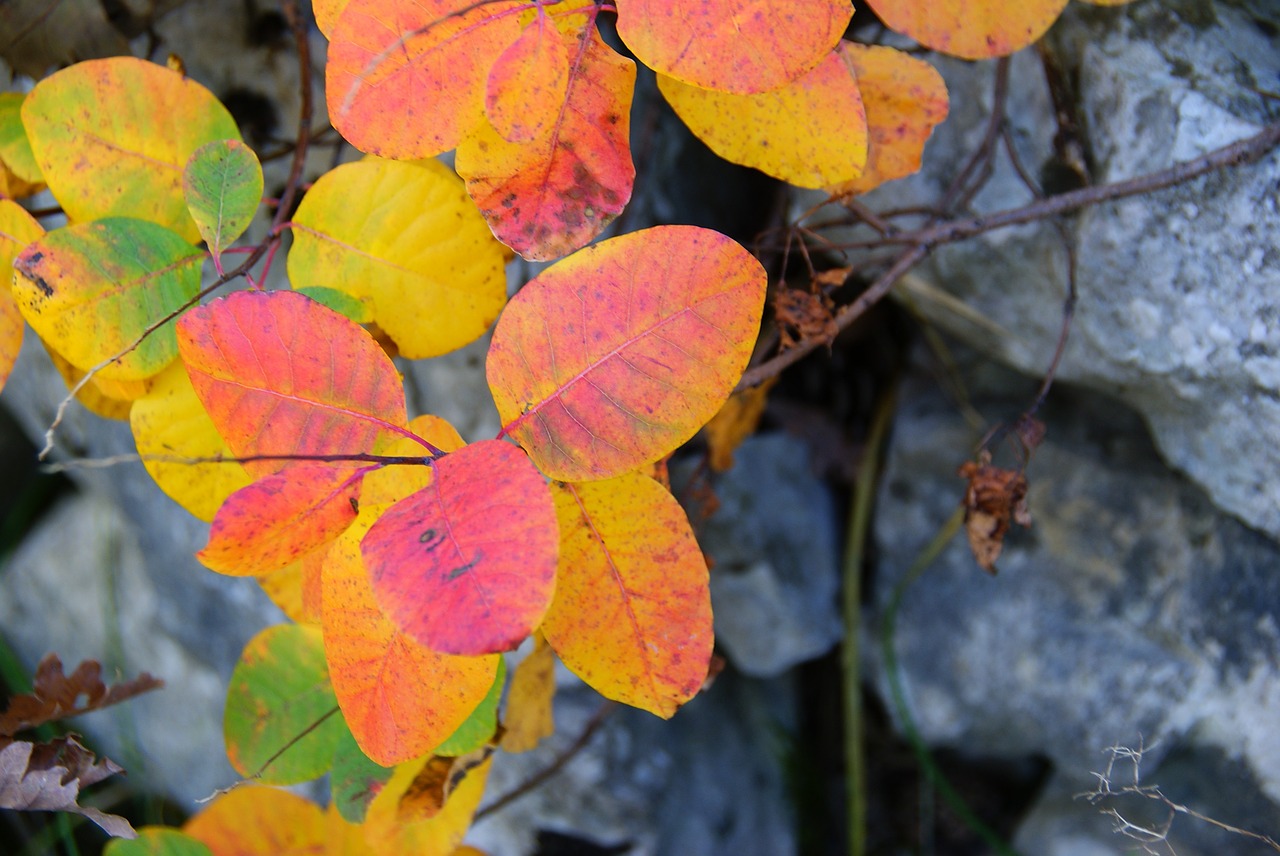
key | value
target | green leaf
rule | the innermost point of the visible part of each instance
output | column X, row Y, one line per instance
column 279, row 697
column 481, row 724
column 355, row 780
column 157, row 841
column 222, row 183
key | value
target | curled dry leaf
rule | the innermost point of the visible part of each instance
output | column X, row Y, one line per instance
column 995, row 496
column 48, row 777
column 58, row 696
column 803, row 315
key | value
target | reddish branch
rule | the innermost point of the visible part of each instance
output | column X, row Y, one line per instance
column 920, row 242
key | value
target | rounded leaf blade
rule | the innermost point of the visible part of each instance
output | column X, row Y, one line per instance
column 467, row 565
column 970, row 29
column 222, row 184
column 616, row 355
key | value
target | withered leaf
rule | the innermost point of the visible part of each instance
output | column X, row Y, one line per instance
column 995, row 497
column 57, row 696
column 48, row 777
column 803, row 315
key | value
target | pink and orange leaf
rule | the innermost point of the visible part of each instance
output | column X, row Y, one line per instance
column 615, row 356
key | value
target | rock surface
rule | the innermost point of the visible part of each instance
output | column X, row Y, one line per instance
column 1131, row 610
column 1179, row 291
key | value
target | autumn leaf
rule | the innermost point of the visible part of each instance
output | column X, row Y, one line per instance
column 17, row 229
column 467, row 565
column 157, row 841
column 49, row 776
column 995, row 497
column 281, row 720
column 17, row 162
column 289, row 588
column 356, row 779
column 112, row 137
column 399, row 698
column 170, row 429
column 742, row 46
column 222, row 184
column 735, row 422
column 970, row 29
column 556, row 192
column 632, row 612
column 281, row 375
column 395, row 822
column 91, row 289
column 811, row 131
column 528, row 717
column 528, row 82
column 56, row 696
column 905, row 98
column 405, row 238
column 616, row 355
column 280, row 518
column 408, row 80
column 260, row 821
column 101, row 397
column 481, row 725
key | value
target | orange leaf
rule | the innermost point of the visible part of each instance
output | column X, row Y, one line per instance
column 632, row 612
column 810, row 132
column 17, row 229
column 279, row 374
column 400, row 699
column 467, row 565
column 327, row 12
column 112, row 137
column 528, row 83
column 618, row 354
column 553, row 194
column 970, row 29
column 278, row 519
column 407, row 80
column 528, row 717
column 905, row 98
column 258, row 821
column 732, row 45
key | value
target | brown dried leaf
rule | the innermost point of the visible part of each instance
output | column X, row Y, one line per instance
column 736, row 421
column 48, row 777
column 803, row 316
column 58, row 696
column 431, row 787
column 995, row 497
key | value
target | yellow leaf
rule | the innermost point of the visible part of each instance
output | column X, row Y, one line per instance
column 811, row 132
column 17, row 229
column 390, row 826
column 406, row 238
column 528, row 717
column 970, row 29
column 105, row 398
column 735, row 422
column 260, row 821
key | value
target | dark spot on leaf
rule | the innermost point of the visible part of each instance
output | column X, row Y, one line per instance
column 462, row 569
column 355, row 504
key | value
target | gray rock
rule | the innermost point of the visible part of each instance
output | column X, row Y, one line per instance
column 776, row 570
column 1179, row 291
column 1132, row 608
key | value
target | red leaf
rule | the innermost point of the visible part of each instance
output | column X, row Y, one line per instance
column 279, row 374
column 467, row 565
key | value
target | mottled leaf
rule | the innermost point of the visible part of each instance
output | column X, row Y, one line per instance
column 222, row 183
column 632, row 612
column 405, row 238
column 112, row 137
column 171, row 429
column 613, row 357
column 279, row 374
column 91, row 289
column 481, row 724
column 905, row 98
column 407, row 80
column 554, row 193
column 811, row 132
column 467, row 565
column 17, row 229
column 278, row 519
column 281, row 721
column 528, row 82
column 970, row 29
column 399, row 698
column 157, row 841
column 732, row 45
column 528, row 716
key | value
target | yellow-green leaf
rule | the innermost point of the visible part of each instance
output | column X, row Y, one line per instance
column 406, row 238
column 15, row 149
column 112, row 137
column 222, row 183
column 17, row 229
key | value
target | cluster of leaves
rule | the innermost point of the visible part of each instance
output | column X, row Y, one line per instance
column 409, row 559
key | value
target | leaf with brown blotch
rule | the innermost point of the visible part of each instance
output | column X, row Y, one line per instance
column 57, row 696
column 615, row 356
column 994, row 497
column 528, row 718
column 48, row 777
